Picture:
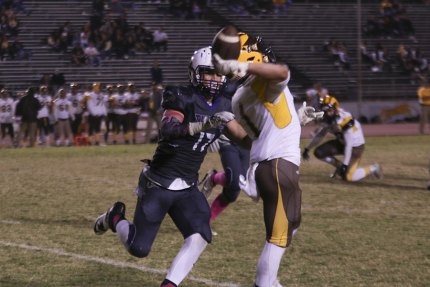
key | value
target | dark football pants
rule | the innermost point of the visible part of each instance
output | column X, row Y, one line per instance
column 278, row 184
column 235, row 161
column 328, row 150
column 188, row 209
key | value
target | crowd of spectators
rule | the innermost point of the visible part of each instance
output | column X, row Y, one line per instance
column 185, row 9
column 106, row 35
column 390, row 21
column 250, row 7
column 337, row 52
column 10, row 45
column 413, row 62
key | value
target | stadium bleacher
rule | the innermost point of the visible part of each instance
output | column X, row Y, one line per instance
column 296, row 36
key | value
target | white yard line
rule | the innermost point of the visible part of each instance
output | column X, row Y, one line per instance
column 111, row 262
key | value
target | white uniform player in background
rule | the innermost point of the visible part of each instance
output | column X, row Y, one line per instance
column 120, row 104
column 349, row 142
column 44, row 115
column 133, row 110
column 76, row 98
column 7, row 111
column 264, row 106
column 97, row 109
column 63, row 114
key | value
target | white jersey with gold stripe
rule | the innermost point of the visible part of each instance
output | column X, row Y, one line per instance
column 266, row 111
column 354, row 135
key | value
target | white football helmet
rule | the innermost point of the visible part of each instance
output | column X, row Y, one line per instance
column 201, row 62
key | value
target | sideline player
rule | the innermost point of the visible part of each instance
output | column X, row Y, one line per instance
column 264, row 106
column 194, row 116
column 349, row 142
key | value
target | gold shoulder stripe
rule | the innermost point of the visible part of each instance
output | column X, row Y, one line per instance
column 280, row 111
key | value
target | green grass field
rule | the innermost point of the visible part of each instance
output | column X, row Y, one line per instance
column 370, row 233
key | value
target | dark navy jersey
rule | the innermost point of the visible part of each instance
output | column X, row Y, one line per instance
column 180, row 158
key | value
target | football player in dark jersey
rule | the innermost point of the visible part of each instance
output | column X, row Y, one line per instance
column 194, row 116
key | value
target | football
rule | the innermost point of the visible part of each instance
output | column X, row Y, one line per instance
column 226, row 43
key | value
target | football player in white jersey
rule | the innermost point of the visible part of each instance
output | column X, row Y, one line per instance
column 63, row 114
column 133, row 110
column 120, row 104
column 349, row 142
column 76, row 98
column 96, row 105
column 264, row 106
column 7, row 110
column 43, row 116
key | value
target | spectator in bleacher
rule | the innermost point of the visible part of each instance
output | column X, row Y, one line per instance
column 26, row 110
column 84, row 36
column 196, row 10
column 78, row 56
column 156, row 74
column 92, row 54
column 281, row 6
column 386, row 8
column 4, row 48
column 12, row 26
column 366, row 54
column 380, row 59
column 57, row 80
column 161, row 39
column 18, row 51
column 104, row 45
column 148, row 40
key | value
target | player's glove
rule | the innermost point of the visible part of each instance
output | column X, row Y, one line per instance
column 230, row 67
column 308, row 114
column 223, row 117
column 214, row 121
column 342, row 171
column 305, row 154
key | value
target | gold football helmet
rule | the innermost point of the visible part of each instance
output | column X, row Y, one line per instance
column 329, row 102
column 252, row 50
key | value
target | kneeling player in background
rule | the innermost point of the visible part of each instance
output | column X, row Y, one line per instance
column 349, row 142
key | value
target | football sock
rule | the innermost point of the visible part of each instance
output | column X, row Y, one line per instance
column 187, row 256
column 218, row 178
column 268, row 264
column 217, row 206
column 122, row 231
column 361, row 173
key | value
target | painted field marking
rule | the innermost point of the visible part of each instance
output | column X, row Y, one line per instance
column 111, row 262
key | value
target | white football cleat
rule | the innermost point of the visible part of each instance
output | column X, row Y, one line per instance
column 377, row 172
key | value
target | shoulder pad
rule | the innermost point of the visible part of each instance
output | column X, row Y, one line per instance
column 176, row 98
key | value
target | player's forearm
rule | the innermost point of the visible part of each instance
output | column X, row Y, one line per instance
column 236, row 133
column 171, row 128
column 269, row 71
